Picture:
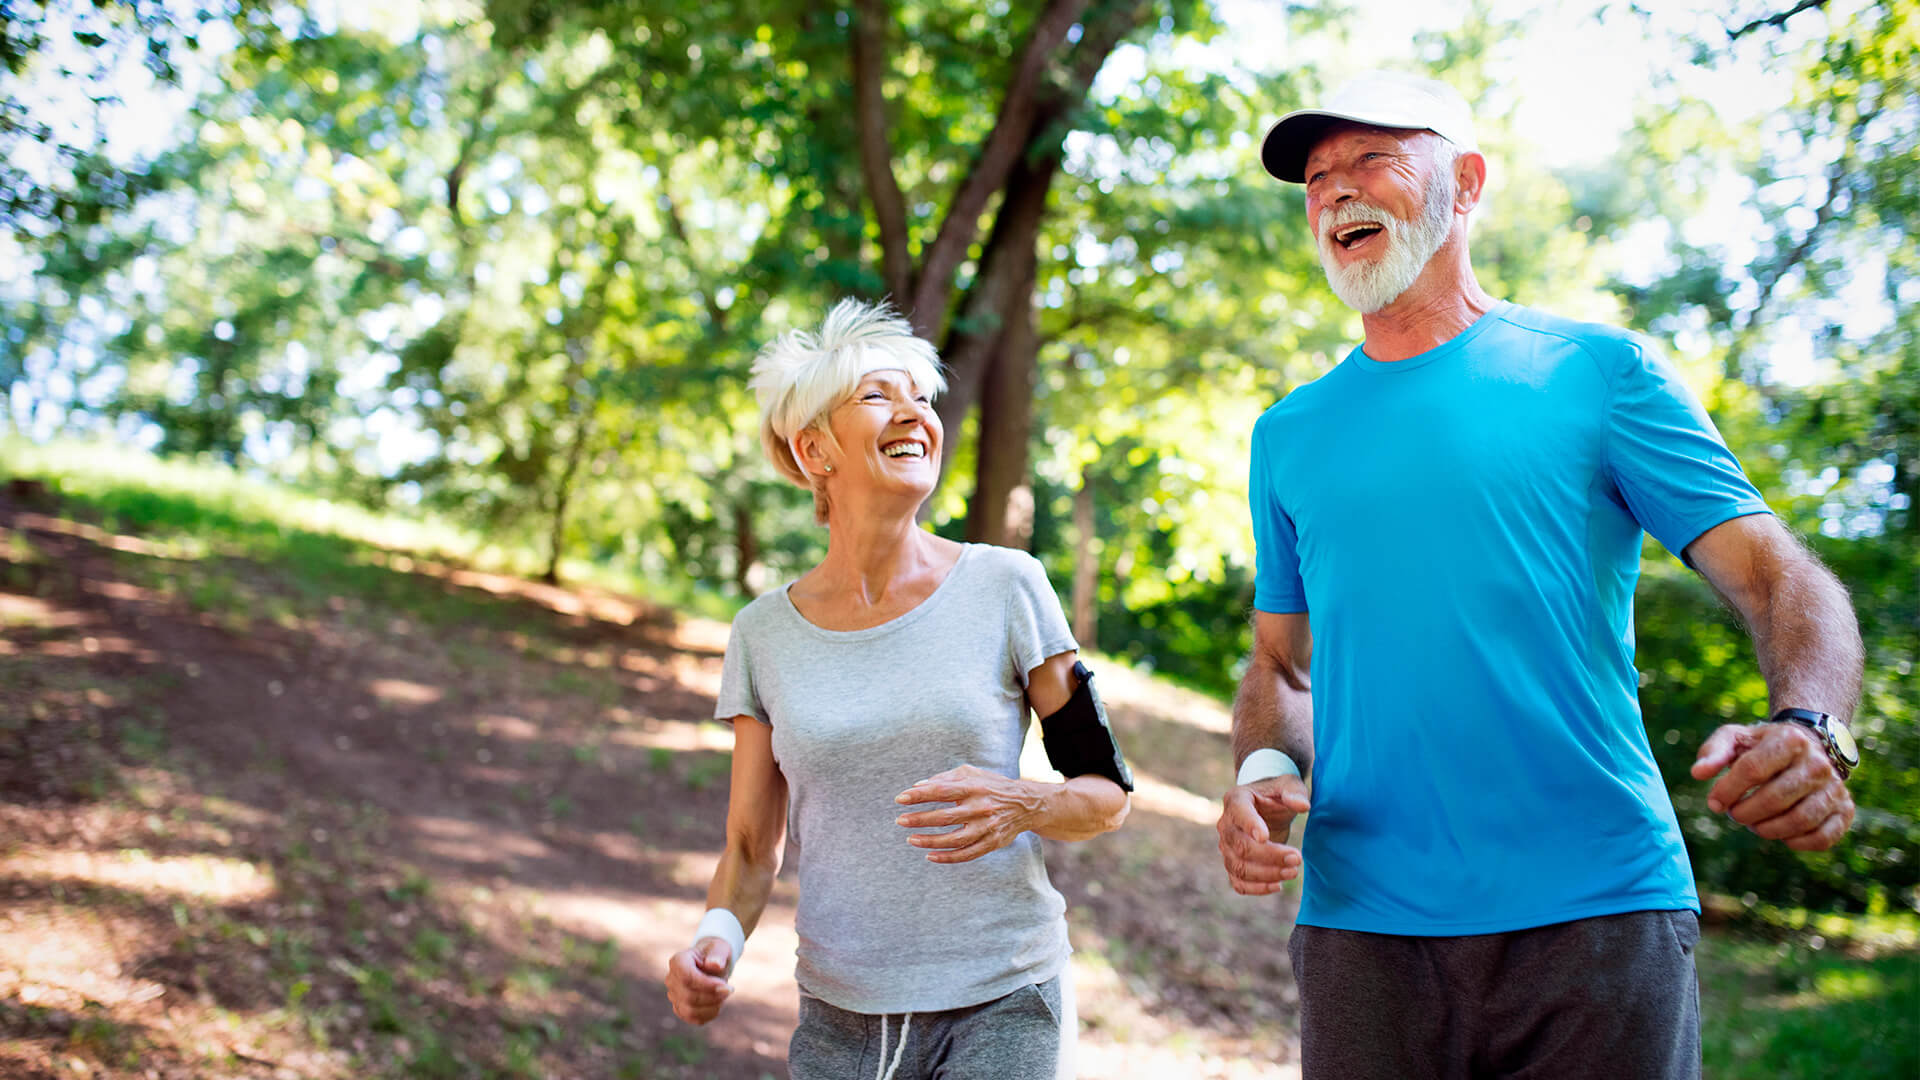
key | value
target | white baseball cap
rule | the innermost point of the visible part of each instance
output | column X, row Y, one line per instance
column 1388, row 99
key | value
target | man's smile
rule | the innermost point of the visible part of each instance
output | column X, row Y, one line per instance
column 1354, row 236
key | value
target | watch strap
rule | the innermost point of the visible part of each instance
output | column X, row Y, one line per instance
column 1821, row 724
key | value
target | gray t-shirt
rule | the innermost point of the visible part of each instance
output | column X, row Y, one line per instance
column 859, row 716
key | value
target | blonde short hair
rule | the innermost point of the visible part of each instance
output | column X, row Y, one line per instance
column 800, row 376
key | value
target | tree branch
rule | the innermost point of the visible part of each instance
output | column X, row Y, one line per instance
column 1104, row 30
column 870, row 20
column 716, row 315
column 468, row 147
column 1775, row 20
column 1012, row 130
column 1001, row 292
column 1837, row 173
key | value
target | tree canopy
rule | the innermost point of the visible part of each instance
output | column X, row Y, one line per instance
column 510, row 262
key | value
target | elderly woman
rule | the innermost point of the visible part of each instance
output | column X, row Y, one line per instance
column 878, row 705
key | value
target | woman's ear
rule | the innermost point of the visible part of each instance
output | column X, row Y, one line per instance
column 811, row 454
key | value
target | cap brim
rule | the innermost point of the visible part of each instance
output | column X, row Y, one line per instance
column 1284, row 150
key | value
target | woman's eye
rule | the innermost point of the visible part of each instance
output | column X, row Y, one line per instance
column 922, row 398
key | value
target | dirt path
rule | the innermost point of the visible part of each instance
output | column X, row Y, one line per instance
column 441, row 823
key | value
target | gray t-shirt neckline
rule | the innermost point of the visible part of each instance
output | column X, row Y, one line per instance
column 901, row 621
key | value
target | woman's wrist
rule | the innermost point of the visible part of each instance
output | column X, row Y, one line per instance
column 1040, row 804
column 1076, row 813
column 723, row 924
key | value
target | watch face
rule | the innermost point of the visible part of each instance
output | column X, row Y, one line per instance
column 1842, row 742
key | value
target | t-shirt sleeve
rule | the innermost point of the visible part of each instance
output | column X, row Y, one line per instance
column 1674, row 472
column 1036, row 627
column 1277, row 587
column 737, row 695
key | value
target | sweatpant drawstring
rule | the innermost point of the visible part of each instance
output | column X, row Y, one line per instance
column 886, row 1071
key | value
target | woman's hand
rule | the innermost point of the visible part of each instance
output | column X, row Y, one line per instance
column 697, row 980
column 990, row 809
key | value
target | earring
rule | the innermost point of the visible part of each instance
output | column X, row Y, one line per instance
column 829, row 470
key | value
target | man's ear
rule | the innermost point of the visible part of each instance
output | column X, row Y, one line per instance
column 1469, row 181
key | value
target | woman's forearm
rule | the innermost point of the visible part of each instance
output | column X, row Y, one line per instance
column 743, row 881
column 1083, row 807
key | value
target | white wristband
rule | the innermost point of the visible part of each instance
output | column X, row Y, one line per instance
column 721, row 923
column 1265, row 763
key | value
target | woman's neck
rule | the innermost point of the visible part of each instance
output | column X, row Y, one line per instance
column 868, row 557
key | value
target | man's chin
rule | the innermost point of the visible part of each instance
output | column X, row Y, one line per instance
column 1365, row 297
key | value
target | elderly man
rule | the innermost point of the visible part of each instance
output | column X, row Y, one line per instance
column 1449, row 528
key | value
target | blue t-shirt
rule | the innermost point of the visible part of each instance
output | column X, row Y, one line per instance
column 1463, row 528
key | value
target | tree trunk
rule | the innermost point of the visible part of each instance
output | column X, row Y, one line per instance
column 563, row 490
column 1000, row 299
column 1019, row 158
column 746, row 548
column 563, row 494
column 1001, row 510
column 1086, row 570
column 1014, row 130
column 870, row 20
column 1001, row 293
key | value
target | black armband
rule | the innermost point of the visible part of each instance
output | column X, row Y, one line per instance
column 1079, row 740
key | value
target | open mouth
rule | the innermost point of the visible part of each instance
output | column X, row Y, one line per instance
column 906, row 448
column 1352, row 236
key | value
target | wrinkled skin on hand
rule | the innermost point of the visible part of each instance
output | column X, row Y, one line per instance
column 990, row 810
column 1778, row 782
column 1254, row 821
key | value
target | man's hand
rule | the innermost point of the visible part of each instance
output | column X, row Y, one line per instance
column 697, row 980
column 990, row 809
column 1779, row 783
column 1253, row 826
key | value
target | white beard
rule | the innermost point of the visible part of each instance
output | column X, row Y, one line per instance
column 1370, row 285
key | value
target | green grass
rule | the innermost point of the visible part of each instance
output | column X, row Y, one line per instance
column 708, row 769
column 1773, row 1009
column 325, row 547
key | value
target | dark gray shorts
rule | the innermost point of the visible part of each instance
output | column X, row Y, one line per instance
column 1608, row 998
column 1029, row 1034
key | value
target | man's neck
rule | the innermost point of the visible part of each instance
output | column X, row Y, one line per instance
column 1435, row 309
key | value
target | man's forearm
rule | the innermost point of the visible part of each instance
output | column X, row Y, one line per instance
column 1807, row 640
column 1268, row 712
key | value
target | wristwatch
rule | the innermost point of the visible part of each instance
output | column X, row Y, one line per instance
column 1833, row 733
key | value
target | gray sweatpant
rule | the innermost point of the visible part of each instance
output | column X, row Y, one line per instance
column 1608, row 998
column 1029, row 1034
